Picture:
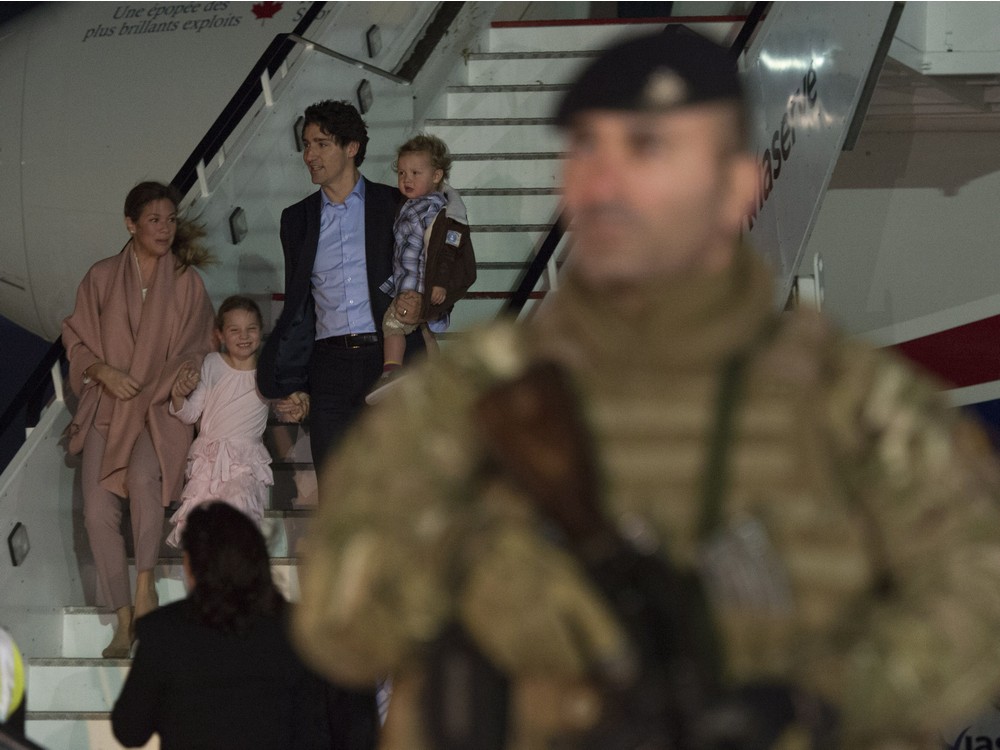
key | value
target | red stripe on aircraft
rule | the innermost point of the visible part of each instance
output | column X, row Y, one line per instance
column 966, row 355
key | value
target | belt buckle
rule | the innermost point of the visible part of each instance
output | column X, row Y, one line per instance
column 360, row 340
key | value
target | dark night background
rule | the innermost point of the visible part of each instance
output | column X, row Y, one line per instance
column 22, row 351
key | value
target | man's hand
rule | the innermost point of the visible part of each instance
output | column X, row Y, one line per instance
column 438, row 294
column 119, row 384
column 408, row 306
column 293, row 408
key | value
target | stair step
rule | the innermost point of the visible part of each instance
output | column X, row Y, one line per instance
column 75, row 684
column 498, row 136
column 75, row 730
column 511, row 191
column 283, row 528
column 511, row 209
column 170, row 584
column 485, row 69
column 595, row 34
column 501, row 101
column 506, row 247
column 87, row 630
column 506, row 170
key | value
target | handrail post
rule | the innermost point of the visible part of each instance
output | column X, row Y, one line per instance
column 552, row 271
column 202, row 179
column 265, row 85
column 57, row 382
column 311, row 45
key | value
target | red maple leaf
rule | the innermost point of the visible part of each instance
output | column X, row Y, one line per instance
column 266, row 9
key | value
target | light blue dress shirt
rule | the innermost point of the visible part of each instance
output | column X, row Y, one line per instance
column 340, row 272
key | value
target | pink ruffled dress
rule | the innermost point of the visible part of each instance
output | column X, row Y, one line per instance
column 228, row 460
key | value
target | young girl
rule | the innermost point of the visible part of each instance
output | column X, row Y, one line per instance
column 228, row 460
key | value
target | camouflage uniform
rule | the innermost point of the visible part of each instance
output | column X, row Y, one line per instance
column 855, row 468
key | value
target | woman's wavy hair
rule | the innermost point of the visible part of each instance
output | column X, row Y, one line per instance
column 187, row 241
column 231, row 569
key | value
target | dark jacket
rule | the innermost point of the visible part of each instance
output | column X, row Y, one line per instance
column 200, row 688
column 451, row 261
column 282, row 367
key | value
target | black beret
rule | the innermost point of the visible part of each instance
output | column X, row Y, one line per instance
column 654, row 73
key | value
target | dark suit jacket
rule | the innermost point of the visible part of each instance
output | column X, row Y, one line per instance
column 201, row 688
column 282, row 367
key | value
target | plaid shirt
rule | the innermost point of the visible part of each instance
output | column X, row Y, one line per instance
column 408, row 257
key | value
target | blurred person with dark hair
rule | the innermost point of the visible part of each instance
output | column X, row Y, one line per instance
column 141, row 316
column 660, row 514
column 215, row 671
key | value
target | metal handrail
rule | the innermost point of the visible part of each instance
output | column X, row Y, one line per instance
column 33, row 390
column 347, row 59
column 241, row 102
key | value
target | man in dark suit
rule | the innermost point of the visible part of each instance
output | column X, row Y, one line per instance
column 326, row 350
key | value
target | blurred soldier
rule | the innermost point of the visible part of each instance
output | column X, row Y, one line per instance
column 665, row 515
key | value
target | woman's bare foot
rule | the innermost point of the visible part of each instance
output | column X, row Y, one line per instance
column 146, row 598
column 121, row 643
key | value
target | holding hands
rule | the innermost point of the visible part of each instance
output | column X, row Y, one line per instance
column 293, row 408
column 186, row 381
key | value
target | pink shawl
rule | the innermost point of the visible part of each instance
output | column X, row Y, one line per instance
column 150, row 340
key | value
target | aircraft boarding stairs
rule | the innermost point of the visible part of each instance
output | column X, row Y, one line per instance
column 506, row 167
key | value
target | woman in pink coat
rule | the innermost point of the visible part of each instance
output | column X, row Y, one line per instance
column 140, row 316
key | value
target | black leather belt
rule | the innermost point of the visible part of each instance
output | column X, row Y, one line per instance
column 350, row 341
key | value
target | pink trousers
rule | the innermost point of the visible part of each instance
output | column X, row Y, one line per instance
column 102, row 516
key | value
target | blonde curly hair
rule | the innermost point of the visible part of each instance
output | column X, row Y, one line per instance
column 431, row 145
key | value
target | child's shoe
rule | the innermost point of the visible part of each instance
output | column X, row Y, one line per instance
column 386, row 382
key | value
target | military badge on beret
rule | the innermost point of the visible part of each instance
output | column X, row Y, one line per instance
column 664, row 89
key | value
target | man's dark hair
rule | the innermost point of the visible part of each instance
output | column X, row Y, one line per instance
column 342, row 121
column 232, row 572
